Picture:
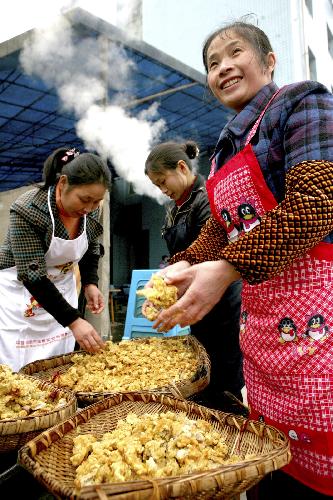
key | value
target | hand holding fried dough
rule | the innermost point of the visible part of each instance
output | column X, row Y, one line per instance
column 158, row 296
column 198, row 296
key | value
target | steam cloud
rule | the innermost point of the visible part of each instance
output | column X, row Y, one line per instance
column 81, row 72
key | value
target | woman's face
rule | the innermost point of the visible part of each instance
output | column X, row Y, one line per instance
column 82, row 199
column 235, row 74
column 172, row 182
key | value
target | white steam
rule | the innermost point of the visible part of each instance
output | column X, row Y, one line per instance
column 85, row 73
column 125, row 140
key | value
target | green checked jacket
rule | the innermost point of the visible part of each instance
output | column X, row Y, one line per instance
column 28, row 239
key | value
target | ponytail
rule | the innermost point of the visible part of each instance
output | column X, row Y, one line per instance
column 85, row 168
column 166, row 155
column 54, row 164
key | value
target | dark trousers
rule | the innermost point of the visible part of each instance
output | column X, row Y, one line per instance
column 280, row 486
column 218, row 332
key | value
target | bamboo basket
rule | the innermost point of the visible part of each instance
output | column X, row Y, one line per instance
column 46, row 369
column 47, row 456
column 14, row 433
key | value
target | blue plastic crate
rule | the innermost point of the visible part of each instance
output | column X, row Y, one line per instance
column 136, row 325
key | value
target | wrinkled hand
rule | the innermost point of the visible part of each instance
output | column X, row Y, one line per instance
column 147, row 305
column 200, row 287
column 175, row 268
column 171, row 269
column 95, row 299
column 86, row 335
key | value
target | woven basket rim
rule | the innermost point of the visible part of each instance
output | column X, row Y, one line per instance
column 9, row 422
column 171, row 388
column 280, row 451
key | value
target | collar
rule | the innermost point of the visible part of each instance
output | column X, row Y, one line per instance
column 40, row 197
column 198, row 185
column 242, row 122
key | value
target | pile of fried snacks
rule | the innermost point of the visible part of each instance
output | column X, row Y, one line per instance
column 150, row 445
column 159, row 296
column 131, row 365
column 21, row 396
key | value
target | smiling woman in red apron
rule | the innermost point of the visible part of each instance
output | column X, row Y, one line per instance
column 271, row 195
column 52, row 229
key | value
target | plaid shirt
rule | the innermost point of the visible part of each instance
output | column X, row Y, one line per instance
column 296, row 127
column 30, row 232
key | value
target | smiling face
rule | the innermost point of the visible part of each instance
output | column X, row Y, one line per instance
column 80, row 199
column 173, row 182
column 235, row 73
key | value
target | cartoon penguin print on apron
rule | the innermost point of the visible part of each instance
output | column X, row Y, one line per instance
column 286, row 326
column 28, row 332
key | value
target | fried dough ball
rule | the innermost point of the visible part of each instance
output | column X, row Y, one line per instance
column 159, row 296
column 21, row 396
column 130, row 365
column 148, row 445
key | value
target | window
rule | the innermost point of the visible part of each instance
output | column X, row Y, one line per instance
column 312, row 65
column 330, row 41
column 308, row 3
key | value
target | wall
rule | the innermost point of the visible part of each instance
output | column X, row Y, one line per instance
column 315, row 37
column 124, row 211
column 290, row 28
column 101, row 322
column 6, row 199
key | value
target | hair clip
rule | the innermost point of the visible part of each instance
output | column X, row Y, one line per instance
column 70, row 154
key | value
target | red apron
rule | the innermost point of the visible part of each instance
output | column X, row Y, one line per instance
column 286, row 327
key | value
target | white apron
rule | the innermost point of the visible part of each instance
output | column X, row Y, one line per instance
column 27, row 331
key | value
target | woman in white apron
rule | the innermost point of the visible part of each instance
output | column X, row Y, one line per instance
column 272, row 174
column 52, row 229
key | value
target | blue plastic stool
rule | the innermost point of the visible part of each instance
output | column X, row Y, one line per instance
column 136, row 325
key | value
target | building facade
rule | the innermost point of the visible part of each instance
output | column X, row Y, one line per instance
column 301, row 32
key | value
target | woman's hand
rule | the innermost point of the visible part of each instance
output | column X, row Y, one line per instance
column 174, row 268
column 171, row 269
column 200, row 287
column 148, row 309
column 95, row 299
column 86, row 335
